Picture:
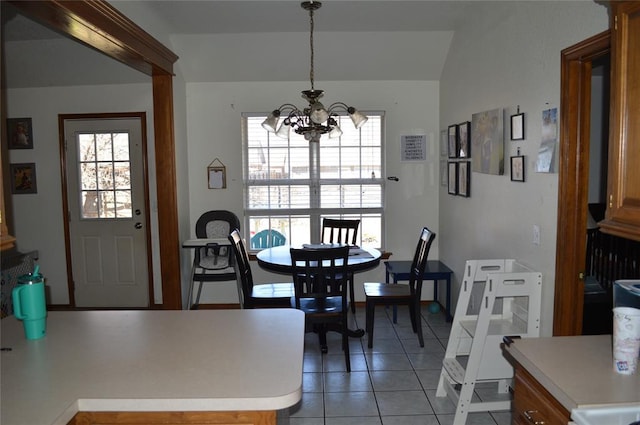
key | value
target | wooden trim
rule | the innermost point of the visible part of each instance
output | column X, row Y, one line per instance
column 98, row 24
column 146, row 418
column 103, row 27
column 167, row 198
column 575, row 87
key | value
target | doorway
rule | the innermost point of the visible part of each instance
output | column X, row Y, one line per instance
column 573, row 181
column 105, row 187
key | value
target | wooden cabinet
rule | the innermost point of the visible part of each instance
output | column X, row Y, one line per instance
column 623, row 191
column 532, row 404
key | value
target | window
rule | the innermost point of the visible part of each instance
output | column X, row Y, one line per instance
column 290, row 185
column 105, row 175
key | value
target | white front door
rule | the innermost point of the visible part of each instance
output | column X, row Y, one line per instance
column 107, row 212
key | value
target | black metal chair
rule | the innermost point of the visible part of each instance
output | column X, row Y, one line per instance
column 401, row 294
column 342, row 231
column 213, row 262
column 320, row 282
column 266, row 295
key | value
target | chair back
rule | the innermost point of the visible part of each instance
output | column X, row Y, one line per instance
column 243, row 267
column 340, row 231
column 319, row 274
column 420, row 261
column 212, row 225
column 267, row 238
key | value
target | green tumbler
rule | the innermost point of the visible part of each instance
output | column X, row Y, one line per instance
column 29, row 305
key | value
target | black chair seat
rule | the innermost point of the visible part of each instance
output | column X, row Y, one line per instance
column 324, row 307
column 398, row 292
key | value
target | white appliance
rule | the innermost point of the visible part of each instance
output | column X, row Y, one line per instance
column 617, row 415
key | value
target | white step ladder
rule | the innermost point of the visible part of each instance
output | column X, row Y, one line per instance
column 510, row 306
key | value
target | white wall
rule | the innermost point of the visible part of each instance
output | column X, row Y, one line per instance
column 39, row 217
column 509, row 55
column 214, row 131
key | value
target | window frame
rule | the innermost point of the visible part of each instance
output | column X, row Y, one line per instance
column 314, row 212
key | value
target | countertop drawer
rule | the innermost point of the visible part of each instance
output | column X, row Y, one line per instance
column 533, row 405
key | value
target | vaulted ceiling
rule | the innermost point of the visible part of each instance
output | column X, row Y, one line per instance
column 252, row 41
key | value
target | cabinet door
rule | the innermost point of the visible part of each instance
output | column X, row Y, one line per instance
column 532, row 404
column 623, row 209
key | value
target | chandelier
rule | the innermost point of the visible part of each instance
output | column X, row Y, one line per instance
column 314, row 120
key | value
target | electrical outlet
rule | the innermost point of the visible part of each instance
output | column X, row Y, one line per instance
column 536, row 234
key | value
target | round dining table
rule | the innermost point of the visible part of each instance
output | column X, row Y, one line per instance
column 278, row 260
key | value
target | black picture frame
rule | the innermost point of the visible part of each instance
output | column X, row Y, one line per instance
column 464, row 179
column 19, row 133
column 464, row 140
column 517, row 126
column 452, row 137
column 517, row 168
column 23, row 178
column 452, row 181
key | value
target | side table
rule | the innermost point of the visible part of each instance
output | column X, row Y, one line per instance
column 435, row 270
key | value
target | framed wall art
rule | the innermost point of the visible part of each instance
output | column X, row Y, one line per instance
column 517, row 168
column 464, row 178
column 453, row 141
column 217, row 175
column 517, row 126
column 23, row 178
column 452, row 168
column 19, row 133
column 464, row 143
column 487, row 142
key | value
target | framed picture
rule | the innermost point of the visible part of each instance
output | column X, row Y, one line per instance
column 464, row 179
column 517, row 168
column 487, row 142
column 453, row 141
column 517, row 126
column 464, row 144
column 217, row 175
column 23, row 178
column 453, row 178
column 443, row 143
column 19, row 133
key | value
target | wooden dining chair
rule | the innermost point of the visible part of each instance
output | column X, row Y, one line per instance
column 265, row 295
column 342, row 231
column 401, row 294
column 320, row 283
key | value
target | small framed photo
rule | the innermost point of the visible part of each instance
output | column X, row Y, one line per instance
column 217, row 175
column 464, row 144
column 464, row 179
column 517, row 168
column 453, row 141
column 452, row 167
column 23, row 178
column 19, row 133
column 517, row 126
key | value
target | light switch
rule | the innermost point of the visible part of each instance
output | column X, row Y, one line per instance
column 536, row 234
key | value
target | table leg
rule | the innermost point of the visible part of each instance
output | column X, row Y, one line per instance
column 448, row 281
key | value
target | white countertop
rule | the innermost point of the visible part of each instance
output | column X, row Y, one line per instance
column 206, row 360
column 577, row 370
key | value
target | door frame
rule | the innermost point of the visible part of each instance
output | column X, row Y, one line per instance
column 142, row 116
column 102, row 26
column 573, row 178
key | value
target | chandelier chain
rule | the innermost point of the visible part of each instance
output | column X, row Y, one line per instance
column 311, row 75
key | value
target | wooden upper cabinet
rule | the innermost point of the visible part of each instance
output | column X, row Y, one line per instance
column 623, row 186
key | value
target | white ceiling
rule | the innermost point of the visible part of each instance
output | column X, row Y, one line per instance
column 255, row 41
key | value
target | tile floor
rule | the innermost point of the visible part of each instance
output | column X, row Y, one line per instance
column 393, row 383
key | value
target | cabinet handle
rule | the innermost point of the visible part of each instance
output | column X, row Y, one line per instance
column 529, row 415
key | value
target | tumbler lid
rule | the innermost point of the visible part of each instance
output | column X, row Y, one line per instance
column 30, row 278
